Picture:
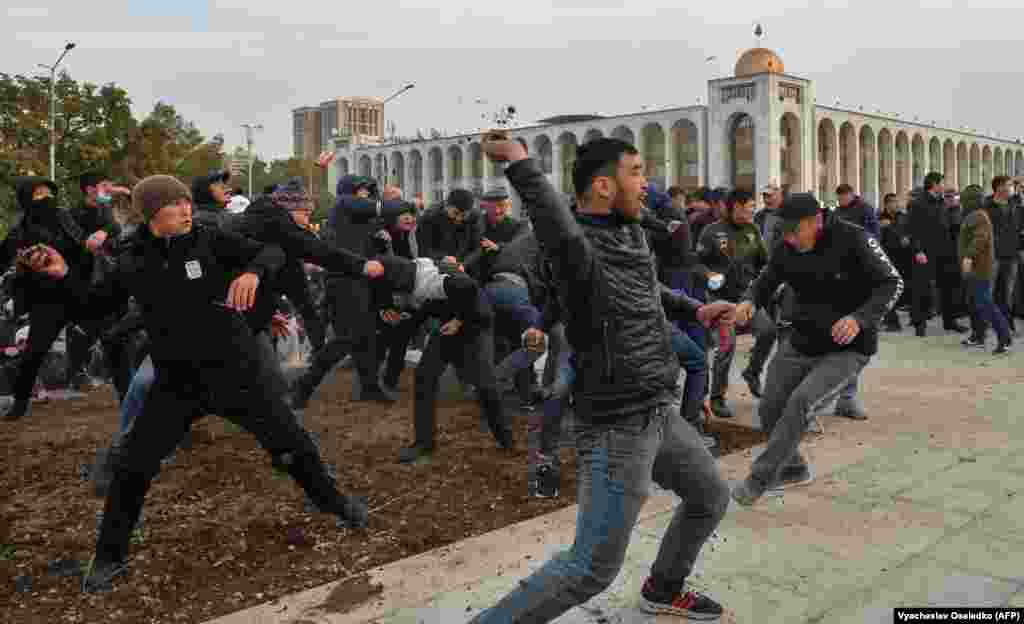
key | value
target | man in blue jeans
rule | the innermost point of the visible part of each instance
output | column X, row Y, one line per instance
column 626, row 374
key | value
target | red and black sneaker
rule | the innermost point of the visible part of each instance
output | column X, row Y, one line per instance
column 689, row 605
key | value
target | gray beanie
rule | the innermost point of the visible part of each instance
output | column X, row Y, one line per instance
column 155, row 192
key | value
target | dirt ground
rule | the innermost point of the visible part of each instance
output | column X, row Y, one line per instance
column 222, row 532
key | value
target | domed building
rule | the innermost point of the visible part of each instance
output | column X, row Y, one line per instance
column 759, row 126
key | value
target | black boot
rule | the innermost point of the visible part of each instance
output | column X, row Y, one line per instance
column 309, row 471
column 18, row 410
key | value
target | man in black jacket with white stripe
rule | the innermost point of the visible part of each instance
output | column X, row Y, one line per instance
column 844, row 285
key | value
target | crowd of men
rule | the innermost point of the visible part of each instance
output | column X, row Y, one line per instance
column 623, row 287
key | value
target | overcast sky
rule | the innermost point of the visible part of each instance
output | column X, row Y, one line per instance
column 227, row 62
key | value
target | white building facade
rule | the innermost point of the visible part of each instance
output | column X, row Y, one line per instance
column 760, row 126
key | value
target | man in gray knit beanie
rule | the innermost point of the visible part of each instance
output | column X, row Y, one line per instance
column 157, row 191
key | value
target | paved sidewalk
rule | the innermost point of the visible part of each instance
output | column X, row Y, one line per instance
column 923, row 504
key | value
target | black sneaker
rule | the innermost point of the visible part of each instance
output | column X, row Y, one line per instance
column 100, row 575
column 414, row 454
column 18, row 410
column 753, row 382
column 689, row 605
column 354, row 514
column 893, row 327
column 721, row 409
column 1002, row 349
column 544, row 482
column 955, row 327
column 920, row 331
column 973, row 342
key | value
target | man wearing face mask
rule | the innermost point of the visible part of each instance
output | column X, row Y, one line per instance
column 843, row 284
column 95, row 217
column 733, row 251
column 47, row 303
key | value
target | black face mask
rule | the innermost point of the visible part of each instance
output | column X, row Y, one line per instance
column 43, row 210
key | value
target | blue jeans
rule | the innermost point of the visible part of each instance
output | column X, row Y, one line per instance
column 615, row 466
column 988, row 312
column 135, row 399
column 512, row 307
column 694, row 361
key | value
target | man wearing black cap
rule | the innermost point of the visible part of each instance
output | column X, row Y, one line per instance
column 843, row 284
column 210, row 197
column 357, row 215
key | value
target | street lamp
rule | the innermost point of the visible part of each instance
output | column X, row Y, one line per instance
column 398, row 93
column 250, row 130
column 53, row 109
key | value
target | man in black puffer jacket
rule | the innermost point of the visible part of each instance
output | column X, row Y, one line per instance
column 626, row 374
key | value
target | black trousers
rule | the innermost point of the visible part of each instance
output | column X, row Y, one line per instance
column 354, row 319
column 472, row 353
column 46, row 320
column 393, row 344
column 1006, row 270
column 241, row 388
column 945, row 272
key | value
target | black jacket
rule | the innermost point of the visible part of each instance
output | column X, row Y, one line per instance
column 268, row 223
column 929, row 227
column 181, row 284
column 353, row 221
column 479, row 262
column 205, row 209
column 896, row 240
column 613, row 303
column 439, row 237
column 861, row 213
column 1005, row 227
column 846, row 274
column 44, row 224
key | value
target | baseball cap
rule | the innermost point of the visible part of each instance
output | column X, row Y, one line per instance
column 797, row 207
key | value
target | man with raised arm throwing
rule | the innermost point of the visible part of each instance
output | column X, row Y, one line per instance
column 625, row 376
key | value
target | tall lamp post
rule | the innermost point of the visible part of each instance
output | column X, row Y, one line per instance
column 386, row 100
column 53, row 108
column 250, row 130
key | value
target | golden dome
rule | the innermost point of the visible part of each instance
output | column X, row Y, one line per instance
column 759, row 61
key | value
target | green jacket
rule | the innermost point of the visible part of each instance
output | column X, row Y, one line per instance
column 976, row 243
column 736, row 251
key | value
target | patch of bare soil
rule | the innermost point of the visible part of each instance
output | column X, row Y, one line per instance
column 223, row 532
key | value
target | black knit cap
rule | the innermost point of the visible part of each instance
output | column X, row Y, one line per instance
column 796, row 207
column 461, row 199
